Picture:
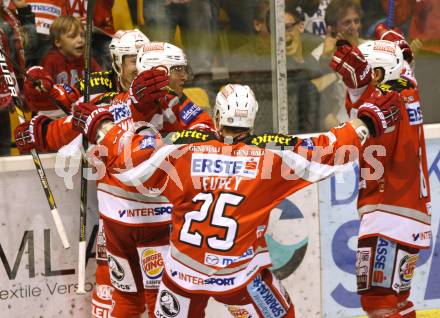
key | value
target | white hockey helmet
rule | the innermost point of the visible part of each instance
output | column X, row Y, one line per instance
column 160, row 53
column 384, row 54
column 235, row 106
column 125, row 42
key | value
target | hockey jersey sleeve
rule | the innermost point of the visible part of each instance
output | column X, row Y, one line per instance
column 309, row 160
column 188, row 115
column 59, row 133
column 283, row 167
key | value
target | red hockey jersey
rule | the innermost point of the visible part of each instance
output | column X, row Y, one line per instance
column 222, row 193
column 115, row 200
column 397, row 204
column 46, row 11
column 64, row 70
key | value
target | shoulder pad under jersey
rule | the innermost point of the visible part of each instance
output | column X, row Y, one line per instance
column 189, row 136
column 271, row 139
column 396, row 85
column 100, row 82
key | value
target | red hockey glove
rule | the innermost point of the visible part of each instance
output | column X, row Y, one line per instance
column 87, row 117
column 65, row 94
column 349, row 62
column 31, row 134
column 394, row 35
column 380, row 113
column 40, row 91
column 147, row 88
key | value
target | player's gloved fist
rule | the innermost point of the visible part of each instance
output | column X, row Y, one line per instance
column 147, row 88
column 381, row 113
column 382, row 32
column 41, row 93
column 349, row 62
column 39, row 78
column 87, row 118
column 31, row 134
column 65, row 95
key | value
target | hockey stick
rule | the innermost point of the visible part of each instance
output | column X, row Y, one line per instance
column 8, row 75
column 84, row 164
column 390, row 14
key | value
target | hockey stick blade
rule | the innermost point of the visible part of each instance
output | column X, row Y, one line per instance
column 81, row 267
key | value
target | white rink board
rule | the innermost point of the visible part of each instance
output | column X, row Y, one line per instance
column 41, row 284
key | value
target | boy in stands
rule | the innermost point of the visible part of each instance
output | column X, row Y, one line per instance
column 65, row 62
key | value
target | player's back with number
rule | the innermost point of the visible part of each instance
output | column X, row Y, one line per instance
column 223, row 193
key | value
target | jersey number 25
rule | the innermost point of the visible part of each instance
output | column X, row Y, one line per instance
column 218, row 220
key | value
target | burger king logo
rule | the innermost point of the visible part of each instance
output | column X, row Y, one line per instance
column 407, row 266
column 152, row 263
column 239, row 312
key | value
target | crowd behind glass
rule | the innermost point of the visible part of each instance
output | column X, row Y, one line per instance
column 227, row 41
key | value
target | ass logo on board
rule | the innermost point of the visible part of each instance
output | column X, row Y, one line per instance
column 169, row 304
column 116, row 269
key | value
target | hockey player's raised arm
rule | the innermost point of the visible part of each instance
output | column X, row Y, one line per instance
column 97, row 125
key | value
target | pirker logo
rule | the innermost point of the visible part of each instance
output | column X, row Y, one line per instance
column 278, row 139
column 189, row 134
column 152, row 263
column 116, row 269
column 97, row 81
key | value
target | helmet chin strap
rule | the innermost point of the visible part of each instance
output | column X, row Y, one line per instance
column 123, row 87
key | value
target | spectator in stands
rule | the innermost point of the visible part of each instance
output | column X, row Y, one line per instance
column 425, row 25
column 65, row 62
column 197, row 21
column 251, row 65
column 314, row 11
column 17, row 36
column 103, row 28
column 374, row 14
column 46, row 11
column 343, row 21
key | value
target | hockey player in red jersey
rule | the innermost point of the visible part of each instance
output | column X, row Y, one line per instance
column 223, row 187
column 394, row 210
column 105, row 89
column 144, row 257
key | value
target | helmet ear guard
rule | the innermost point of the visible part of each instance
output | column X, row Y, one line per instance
column 125, row 42
column 235, row 106
column 386, row 55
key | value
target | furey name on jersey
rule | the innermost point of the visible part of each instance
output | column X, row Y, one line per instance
column 223, row 172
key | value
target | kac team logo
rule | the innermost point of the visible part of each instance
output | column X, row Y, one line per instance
column 152, row 263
